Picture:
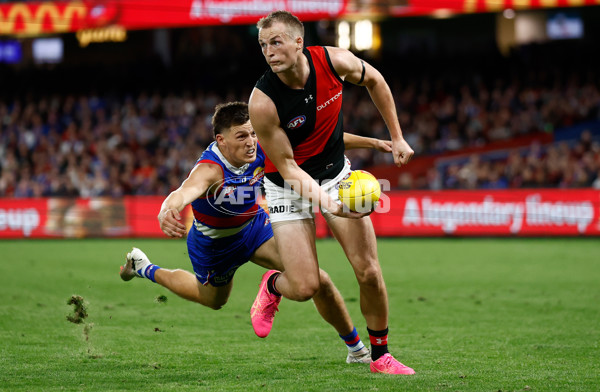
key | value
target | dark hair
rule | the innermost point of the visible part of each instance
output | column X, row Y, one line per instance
column 229, row 115
column 286, row 18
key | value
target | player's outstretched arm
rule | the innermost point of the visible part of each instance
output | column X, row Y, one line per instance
column 352, row 141
column 198, row 184
column 354, row 70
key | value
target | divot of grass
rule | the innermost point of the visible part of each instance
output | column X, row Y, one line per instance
column 78, row 317
column 161, row 299
column 79, row 311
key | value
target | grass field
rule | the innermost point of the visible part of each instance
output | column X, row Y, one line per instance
column 466, row 314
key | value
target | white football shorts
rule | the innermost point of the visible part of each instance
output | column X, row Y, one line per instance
column 285, row 204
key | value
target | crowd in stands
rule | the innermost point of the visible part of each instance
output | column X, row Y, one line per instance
column 145, row 145
column 86, row 143
column 93, row 146
column 557, row 165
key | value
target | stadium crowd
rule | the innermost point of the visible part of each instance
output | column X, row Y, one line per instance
column 557, row 165
column 92, row 127
column 92, row 145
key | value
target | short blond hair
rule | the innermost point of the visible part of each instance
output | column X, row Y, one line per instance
column 295, row 27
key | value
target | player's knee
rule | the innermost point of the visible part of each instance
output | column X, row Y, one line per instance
column 370, row 276
column 326, row 284
column 215, row 304
column 305, row 294
column 302, row 287
column 305, row 291
column 325, row 279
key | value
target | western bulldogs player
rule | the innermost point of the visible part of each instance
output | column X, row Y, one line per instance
column 230, row 228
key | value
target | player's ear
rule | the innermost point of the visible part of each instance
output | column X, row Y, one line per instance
column 299, row 43
column 219, row 138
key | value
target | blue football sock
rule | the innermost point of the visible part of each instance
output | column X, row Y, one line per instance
column 353, row 341
column 150, row 271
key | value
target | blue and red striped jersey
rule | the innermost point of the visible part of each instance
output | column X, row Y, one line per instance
column 232, row 203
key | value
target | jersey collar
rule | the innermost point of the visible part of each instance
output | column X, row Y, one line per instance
column 235, row 170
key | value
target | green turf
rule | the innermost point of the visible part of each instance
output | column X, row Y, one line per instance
column 467, row 314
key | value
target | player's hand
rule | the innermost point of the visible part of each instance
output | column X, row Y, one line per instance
column 345, row 212
column 402, row 152
column 170, row 223
column 383, row 145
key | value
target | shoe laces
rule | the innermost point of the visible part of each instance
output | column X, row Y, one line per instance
column 389, row 361
column 267, row 306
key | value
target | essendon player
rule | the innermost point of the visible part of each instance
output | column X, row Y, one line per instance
column 295, row 109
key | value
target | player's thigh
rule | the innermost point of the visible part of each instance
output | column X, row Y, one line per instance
column 267, row 255
column 297, row 248
column 357, row 238
column 214, row 296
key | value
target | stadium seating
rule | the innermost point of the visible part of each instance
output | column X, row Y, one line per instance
column 90, row 145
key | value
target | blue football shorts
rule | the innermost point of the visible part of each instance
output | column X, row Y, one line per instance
column 216, row 260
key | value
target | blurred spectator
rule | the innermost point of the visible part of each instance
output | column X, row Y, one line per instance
column 120, row 143
column 405, row 181
column 555, row 166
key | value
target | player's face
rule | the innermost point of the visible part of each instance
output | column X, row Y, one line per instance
column 280, row 50
column 238, row 144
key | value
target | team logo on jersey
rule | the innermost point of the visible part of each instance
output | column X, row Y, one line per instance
column 258, row 174
column 297, row 122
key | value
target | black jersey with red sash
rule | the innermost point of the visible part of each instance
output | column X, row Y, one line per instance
column 311, row 117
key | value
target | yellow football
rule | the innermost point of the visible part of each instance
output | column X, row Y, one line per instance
column 360, row 191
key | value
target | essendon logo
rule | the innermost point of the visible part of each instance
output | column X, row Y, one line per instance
column 55, row 17
column 297, row 122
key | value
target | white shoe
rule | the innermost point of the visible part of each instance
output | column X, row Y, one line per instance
column 361, row 356
column 136, row 265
